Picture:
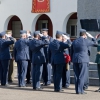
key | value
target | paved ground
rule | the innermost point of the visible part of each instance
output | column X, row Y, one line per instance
column 13, row 92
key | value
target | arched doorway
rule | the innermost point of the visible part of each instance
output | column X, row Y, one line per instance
column 15, row 25
column 44, row 22
column 71, row 27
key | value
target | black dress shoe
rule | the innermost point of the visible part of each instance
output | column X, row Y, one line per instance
column 10, row 81
column 44, row 84
column 85, row 88
column 58, row 90
column 48, row 84
column 78, row 92
column 81, row 93
column 28, row 82
column 22, row 86
column 37, row 89
column 5, row 85
column 98, row 90
column 34, row 88
column 66, row 87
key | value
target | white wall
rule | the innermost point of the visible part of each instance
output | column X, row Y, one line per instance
column 59, row 13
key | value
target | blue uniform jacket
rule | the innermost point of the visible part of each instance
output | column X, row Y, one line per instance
column 4, row 48
column 79, row 49
column 67, row 51
column 56, row 50
column 47, row 47
column 36, row 46
column 30, row 52
column 21, row 50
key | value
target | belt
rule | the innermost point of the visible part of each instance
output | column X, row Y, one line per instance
column 98, row 52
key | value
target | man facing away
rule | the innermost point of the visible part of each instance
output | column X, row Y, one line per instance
column 4, row 57
column 38, row 58
column 21, row 55
column 56, row 58
column 97, row 60
column 80, row 59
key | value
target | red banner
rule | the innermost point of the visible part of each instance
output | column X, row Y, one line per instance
column 41, row 6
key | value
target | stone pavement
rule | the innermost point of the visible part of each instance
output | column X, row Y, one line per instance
column 13, row 92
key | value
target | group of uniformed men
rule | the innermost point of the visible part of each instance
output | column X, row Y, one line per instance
column 44, row 53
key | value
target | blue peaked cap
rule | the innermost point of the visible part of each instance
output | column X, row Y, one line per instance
column 23, row 31
column 36, row 32
column 44, row 29
column 82, row 30
column 2, row 33
column 58, row 32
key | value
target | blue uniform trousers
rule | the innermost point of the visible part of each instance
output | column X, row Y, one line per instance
column 22, row 69
column 4, row 71
column 28, row 75
column 86, row 83
column 65, row 77
column 0, row 70
column 80, row 72
column 36, row 75
column 98, row 68
column 46, row 73
column 57, row 76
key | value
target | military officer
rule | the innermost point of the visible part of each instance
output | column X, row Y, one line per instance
column 0, row 71
column 46, row 66
column 28, row 75
column 21, row 55
column 98, row 60
column 80, row 59
column 11, row 65
column 66, row 70
column 56, row 58
column 38, row 58
column 4, row 56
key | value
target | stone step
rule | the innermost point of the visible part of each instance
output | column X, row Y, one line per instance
column 92, row 66
column 92, row 73
column 92, row 81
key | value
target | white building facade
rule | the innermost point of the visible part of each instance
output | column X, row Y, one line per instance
column 16, row 15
